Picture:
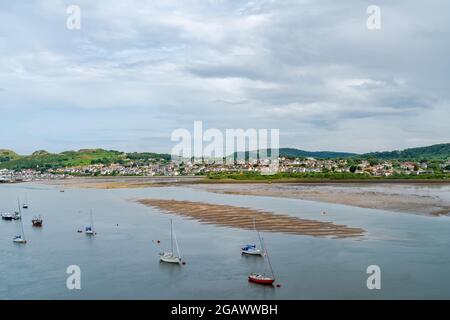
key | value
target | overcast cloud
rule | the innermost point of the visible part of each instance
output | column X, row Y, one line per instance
column 137, row 70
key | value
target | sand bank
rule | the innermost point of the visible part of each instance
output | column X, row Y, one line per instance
column 239, row 217
column 399, row 198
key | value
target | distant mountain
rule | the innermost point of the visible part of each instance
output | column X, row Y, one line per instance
column 44, row 160
column 296, row 153
column 437, row 151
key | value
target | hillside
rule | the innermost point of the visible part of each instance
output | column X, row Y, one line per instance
column 45, row 160
column 296, row 153
column 42, row 159
column 8, row 155
column 434, row 152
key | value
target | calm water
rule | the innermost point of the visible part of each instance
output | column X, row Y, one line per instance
column 121, row 262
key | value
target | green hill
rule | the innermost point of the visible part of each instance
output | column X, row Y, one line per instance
column 296, row 153
column 434, row 152
column 8, row 155
column 44, row 160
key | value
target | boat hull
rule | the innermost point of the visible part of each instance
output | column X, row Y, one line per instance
column 261, row 279
column 169, row 258
column 252, row 252
column 37, row 224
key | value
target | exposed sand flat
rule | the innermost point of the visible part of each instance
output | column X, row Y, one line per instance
column 401, row 197
column 239, row 217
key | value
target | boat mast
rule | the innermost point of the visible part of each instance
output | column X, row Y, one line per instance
column 21, row 222
column 268, row 260
column 176, row 243
column 20, row 210
column 92, row 221
column 259, row 236
column 171, row 235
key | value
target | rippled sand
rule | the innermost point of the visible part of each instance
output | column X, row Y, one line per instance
column 239, row 217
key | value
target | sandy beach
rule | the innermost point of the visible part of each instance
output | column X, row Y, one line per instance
column 239, row 217
column 408, row 197
column 400, row 198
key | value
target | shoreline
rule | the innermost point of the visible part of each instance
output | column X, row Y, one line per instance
column 387, row 195
column 123, row 182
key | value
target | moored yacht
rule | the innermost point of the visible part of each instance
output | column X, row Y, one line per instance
column 169, row 256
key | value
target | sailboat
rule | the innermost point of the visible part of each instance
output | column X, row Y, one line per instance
column 20, row 238
column 251, row 249
column 90, row 229
column 262, row 278
column 169, row 256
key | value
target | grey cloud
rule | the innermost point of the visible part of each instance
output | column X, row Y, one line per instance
column 308, row 67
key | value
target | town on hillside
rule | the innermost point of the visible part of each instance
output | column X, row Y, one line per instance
column 294, row 166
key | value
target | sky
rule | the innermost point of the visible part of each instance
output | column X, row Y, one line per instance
column 136, row 71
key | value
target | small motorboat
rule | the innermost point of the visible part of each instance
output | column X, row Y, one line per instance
column 7, row 216
column 37, row 221
column 25, row 205
column 251, row 249
column 261, row 279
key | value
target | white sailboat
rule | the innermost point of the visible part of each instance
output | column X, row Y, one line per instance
column 251, row 249
column 169, row 256
column 90, row 231
column 20, row 238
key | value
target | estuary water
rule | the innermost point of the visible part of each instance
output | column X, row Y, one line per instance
column 122, row 260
